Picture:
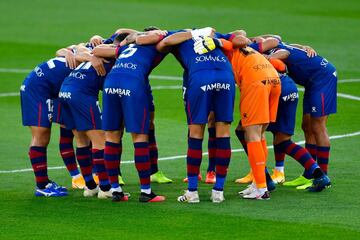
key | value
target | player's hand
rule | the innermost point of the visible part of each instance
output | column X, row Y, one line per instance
column 310, row 51
column 95, row 40
column 202, row 32
column 206, row 44
column 98, row 64
column 70, row 59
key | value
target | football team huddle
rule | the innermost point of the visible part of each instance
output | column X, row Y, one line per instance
column 65, row 90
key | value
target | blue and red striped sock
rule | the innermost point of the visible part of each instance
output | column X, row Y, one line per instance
column 112, row 160
column 193, row 162
column 212, row 149
column 311, row 148
column 279, row 158
column 142, row 164
column 38, row 161
column 301, row 155
column 323, row 154
column 98, row 161
column 241, row 136
column 153, row 151
column 67, row 151
column 223, row 155
column 83, row 155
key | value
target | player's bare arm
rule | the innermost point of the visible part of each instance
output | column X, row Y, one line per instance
column 69, row 56
column 125, row 30
column 309, row 50
column 268, row 44
column 268, row 36
column 281, row 54
column 152, row 37
column 105, row 51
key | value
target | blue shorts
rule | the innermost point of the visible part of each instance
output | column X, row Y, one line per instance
column 36, row 102
column 320, row 95
column 57, row 116
column 286, row 114
column 210, row 90
column 126, row 99
column 79, row 111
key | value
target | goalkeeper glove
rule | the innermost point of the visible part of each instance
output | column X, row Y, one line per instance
column 202, row 32
column 206, row 44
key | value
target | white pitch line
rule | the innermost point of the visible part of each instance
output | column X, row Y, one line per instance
column 343, row 95
column 179, row 156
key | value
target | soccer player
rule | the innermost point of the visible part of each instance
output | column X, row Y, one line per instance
column 38, row 90
column 81, row 110
column 259, row 86
column 319, row 78
column 126, row 99
column 211, row 86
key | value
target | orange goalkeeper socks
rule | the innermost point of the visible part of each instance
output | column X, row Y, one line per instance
column 257, row 162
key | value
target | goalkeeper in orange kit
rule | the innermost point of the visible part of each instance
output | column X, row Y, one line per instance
column 260, row 88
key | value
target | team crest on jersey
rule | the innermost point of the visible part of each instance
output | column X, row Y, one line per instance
column 22, row 88
column 291, row 97
column 118, row 91
column 216, row 86
column 313, row 109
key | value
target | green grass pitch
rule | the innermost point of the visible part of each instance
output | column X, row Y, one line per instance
column 31, row 32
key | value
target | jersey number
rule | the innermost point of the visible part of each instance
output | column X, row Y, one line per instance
column 51, row 62
column 128, row 52
column 84, row 65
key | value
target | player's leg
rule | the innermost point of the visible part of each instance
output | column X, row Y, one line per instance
column 156, row 175
column 193, row 162
column 257, row 160
column 143, row 167
column 240, row 133
column 67, row 153
column 112, row 123
column 83, row 155
column 112, row 157
column 210, row 173
column 97, row 138
column 222, row 156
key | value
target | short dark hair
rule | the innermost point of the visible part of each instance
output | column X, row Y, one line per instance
column 151, row 28
column 120, row 37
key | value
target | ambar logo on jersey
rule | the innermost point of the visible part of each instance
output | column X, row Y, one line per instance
column 118, row 91
column 216, row 86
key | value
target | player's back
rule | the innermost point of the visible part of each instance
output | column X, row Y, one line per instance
column 49, row 74
column 85, row 78
column 249, row 66
column 136, row 60
column 303, row 68
column 192, row 62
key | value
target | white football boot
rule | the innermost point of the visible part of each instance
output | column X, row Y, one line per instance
column 217, row 196
column 190, row 197
column 90, row 192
